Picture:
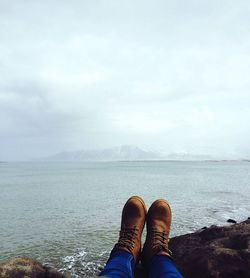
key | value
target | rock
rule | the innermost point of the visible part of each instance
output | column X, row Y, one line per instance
column 22, row 267
column 231, row 221
column 216, row 252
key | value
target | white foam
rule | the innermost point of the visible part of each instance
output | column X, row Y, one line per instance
column 81, row 263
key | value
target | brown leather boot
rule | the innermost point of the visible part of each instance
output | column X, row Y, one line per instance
column 132, row 224
column 158, row 228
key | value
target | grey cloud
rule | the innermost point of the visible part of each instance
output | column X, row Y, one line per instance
column 167, row 75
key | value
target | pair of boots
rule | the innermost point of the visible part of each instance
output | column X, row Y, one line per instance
column 134, row 217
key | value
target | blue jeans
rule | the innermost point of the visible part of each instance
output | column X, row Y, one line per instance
column 121, row 265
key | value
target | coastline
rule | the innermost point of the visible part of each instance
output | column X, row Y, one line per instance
column 217, row 251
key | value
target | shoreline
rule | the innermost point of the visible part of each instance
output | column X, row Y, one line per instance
column 215, row 251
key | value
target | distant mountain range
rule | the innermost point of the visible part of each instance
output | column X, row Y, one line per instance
column 111, row 154
column 126, row 152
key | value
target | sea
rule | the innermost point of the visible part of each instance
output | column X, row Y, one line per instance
column 67, row 214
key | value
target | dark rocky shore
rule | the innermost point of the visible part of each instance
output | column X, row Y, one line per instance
column 215, row 252
column 218, row 252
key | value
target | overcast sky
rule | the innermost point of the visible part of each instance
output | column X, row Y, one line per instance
column 167, row 76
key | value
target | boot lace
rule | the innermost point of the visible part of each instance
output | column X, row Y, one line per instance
column 127, row 238
column 160, row 241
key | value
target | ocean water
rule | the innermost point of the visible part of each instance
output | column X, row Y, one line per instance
column 67, row 214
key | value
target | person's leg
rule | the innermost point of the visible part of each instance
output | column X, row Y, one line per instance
column 163, row 267
column 120, row 264
column 126, row 251
column 156, row 255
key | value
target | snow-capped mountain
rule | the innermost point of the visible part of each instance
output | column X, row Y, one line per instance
column 125, row 152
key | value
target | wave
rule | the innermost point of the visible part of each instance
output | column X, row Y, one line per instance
column 83, row 263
